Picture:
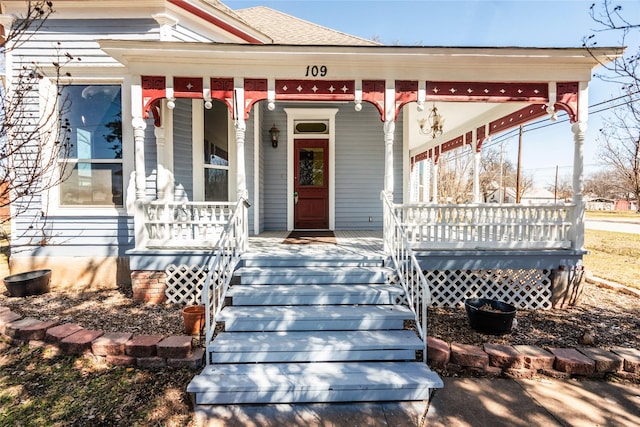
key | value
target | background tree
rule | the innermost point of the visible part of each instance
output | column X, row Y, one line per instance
column 603, row 184
column 32, row 138
column 620, row 134
column 454, row 181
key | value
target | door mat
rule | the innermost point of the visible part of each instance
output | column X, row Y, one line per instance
column 310, row 237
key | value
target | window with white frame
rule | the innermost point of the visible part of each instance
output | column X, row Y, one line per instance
column 92, row 167
column 216, row 154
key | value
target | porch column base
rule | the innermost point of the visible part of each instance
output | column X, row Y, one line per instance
column 149, row 286
column 566, row 285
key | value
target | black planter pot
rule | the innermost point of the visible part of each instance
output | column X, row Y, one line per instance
column 30, row 283
column 498, row 322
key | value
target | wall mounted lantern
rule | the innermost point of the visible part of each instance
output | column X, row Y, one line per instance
column 275, row 133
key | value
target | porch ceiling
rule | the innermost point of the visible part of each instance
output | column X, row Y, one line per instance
column 459, row 118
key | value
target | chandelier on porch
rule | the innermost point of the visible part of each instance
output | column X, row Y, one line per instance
column 433, row 124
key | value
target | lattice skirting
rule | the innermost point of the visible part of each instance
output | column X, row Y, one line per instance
column 525, row 289
column 185, row 283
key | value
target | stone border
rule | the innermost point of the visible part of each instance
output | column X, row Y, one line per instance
column 178, row 351
column 115, row 348
column 527, row 361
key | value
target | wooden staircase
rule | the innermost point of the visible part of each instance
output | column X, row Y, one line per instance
column 313, row 329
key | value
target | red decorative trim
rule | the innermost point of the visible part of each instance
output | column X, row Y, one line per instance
column 452, row 144
column 494, row 92
column 468, row 138
column 517, row 118
column 422, row 156
column 436, row 155
column 153, row 89
column 155, row 111
column 567, row 99
column 187, row 87
column 373, row 91
column 315, row 90
column 406, row 91
column 255, row 90
column 222, row 89
column 480, row 137
column 215, row 21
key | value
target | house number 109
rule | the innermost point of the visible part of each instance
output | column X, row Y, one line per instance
column 315, row 71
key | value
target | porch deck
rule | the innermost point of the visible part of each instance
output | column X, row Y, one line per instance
column 348, row 242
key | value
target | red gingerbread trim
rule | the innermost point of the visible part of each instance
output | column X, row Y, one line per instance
column 422, row 156
column 468, row 138
column 567, row 99
column 493, row 92
column 373, row 91
column 480, row 138
column 517, row 118
column 222, row 89
column 315, row 90
column 452, row 144
column 187, row 87
column 153, row 89
column 406, row 91
column 255, row 90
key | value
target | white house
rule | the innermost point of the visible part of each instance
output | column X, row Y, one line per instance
column 196, row 126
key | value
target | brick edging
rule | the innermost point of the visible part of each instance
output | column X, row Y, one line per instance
column 115, row 348
column 527, row 361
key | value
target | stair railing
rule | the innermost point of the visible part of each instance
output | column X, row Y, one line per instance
column 407, row 268
column 231, row 245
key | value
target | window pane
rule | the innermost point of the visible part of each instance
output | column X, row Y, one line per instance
column 216, row 185
column 94, row 116
column 311, row 164
column 92, row 185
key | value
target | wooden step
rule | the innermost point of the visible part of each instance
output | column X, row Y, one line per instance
column 317, row 260
column 314, row 318
column 312, row 275
column 313, row 382
column 314, row 294
column 316, row 346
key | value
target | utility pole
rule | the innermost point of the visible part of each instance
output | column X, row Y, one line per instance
column 518, row 167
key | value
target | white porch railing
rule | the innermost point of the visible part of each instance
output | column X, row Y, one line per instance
column 181, row 225
column 504, row 226
column 406, row 266
column 232, row 243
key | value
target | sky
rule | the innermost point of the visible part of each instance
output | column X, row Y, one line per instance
column 523, row 23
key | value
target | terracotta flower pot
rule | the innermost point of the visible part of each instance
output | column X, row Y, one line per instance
column 193, row 316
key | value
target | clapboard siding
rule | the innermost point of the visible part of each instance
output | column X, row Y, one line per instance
column 184, row 34
column 182, row 150
column 250, row 173
column 74, row 236
column 79, row 38
column 275, row 172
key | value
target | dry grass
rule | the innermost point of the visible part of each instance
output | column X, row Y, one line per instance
column 613, row 256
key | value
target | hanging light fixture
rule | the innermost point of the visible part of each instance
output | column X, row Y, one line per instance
column 433, row 124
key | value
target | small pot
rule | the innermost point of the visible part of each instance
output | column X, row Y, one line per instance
column 193, row 316
column 30, row 283
column 499, row 321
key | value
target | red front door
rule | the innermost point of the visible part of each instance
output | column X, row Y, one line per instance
column 311, row 184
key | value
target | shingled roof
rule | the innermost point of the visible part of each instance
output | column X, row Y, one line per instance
column 286, row 29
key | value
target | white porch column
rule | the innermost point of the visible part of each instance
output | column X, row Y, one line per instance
column 579, row 129
column 434, row 181
column 424, row 171
column 389, row 130
column 476, row 168
column 139, row 126
column 241, row 130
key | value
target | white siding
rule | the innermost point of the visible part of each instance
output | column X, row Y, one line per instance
column 182, row 150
